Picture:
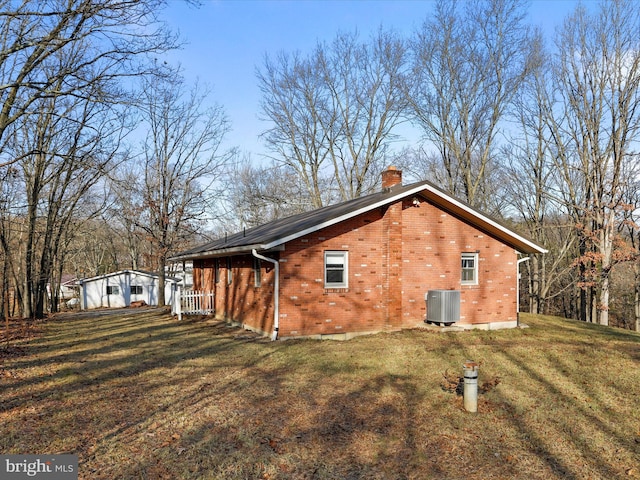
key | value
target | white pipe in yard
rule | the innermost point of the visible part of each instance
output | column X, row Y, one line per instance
column 276, row 291
column 470, row 393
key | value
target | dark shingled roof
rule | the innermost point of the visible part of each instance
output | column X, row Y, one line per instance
column 274, row 234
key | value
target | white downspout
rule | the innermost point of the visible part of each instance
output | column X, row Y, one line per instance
column 276, row 291
column 518, row 290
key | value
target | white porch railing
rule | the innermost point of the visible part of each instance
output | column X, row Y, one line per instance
column 194, row 302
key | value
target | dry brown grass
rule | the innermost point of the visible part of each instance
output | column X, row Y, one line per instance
column 142, row 396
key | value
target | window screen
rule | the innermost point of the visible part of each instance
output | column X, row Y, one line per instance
column 470, row 268
column 335, row 269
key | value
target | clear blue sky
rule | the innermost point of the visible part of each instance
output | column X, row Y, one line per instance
column 227, row 41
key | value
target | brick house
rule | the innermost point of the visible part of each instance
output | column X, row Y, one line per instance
column 364, row 266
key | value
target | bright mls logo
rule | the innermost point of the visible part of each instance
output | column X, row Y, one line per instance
column 49, row 467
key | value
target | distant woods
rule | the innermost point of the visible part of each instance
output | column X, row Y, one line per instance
column 106, row 155
column 109, row 160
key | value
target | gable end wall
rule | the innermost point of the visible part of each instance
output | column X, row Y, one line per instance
column 390, row 272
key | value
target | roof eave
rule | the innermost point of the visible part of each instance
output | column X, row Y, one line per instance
column 225, row 252
column 80, row 281
column 427, row 190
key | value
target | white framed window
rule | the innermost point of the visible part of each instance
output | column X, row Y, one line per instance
column 136, row 289
column 113, row 290
column 336, row 269
column 469, row 269
column 229, row 271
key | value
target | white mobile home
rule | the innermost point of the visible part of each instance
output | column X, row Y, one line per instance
column 119, row 289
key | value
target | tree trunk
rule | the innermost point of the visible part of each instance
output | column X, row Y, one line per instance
column 29, row 284
column 5, row 298
column 593, row 305
column 534, row 292
column 162, row 261
column 161, row 282
column 637, row 296
column 604, row 302
column 582, row 306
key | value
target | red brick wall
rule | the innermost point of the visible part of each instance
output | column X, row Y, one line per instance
column 394, row 259
column 239, row 300
column 432, row 248
column 306, row 307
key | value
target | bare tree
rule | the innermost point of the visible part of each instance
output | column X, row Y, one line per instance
column 295, row 101
column 469, row 63
column 60, row 159
column 95, row 39
column 182, row 160
column 629, row 226
column 61, row 66
column 122, row 219
column 9, row 191
column 366, row 82
column 258, row 194
column 333, row 113
column 533, row 189
column 422, row 163
column 597, row 73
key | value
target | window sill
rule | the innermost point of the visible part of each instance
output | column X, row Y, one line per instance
column 336, row 290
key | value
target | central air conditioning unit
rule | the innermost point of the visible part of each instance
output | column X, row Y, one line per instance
column 443, row 306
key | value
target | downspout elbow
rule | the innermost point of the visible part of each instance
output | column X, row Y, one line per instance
column 276, row 291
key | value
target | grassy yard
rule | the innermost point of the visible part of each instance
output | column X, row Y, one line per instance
column 142, row 396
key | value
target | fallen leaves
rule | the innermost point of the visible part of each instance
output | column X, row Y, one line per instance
column 274, row 443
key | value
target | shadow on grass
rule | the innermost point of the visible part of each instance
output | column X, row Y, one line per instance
column 103, row 357
column 581, row 421
column 93, row 365
column 146, row 396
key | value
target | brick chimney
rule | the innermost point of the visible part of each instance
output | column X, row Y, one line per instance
column 392, row 251
column 390, row 177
